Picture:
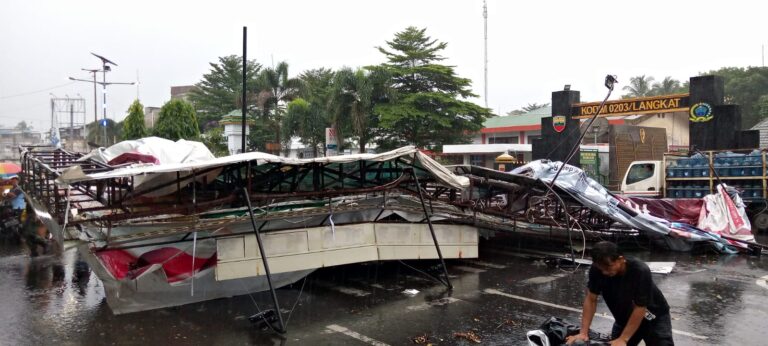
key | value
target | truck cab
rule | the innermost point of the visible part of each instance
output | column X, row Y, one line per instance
column 643, row 179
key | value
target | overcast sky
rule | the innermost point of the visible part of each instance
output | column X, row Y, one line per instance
column 534, row 47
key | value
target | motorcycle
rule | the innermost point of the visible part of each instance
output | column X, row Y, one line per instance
column 10, row 222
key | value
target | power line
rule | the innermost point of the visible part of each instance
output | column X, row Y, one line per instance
column 36, row 91
column 13, row 110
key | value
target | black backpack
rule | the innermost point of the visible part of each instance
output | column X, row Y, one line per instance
column 557, row 330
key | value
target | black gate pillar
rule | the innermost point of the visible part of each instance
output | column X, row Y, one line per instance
column 706, row 92
column 560, row 132
column 714, row 125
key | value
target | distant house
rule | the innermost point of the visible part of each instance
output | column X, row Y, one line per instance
column 763, row 128
column 511, row 133
column 11, row 139
column 233, row 130
column 181, row 92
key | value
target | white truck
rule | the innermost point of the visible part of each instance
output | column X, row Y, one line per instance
column 678, row 176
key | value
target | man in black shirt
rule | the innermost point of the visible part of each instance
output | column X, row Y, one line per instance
column 640, row 310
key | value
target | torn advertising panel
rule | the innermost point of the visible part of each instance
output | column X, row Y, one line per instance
column 171, row 225
column 718, row 214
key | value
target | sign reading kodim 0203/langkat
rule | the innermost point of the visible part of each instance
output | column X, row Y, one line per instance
column 659, row 104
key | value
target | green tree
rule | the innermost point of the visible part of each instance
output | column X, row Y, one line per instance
column 96, row 134
column 260, row 134
column 22, row 125
column 745, row 87
column 302, row 120
column 177, row 121
column 276, row 89
column 133, row 125
column 220, row 91
column 534, row 106
column 762, row 107
column 428, row 108
column 354, row 96
column 639, row 86
column 516, row 112
column 668, row 86
column 215, row 141
column 316, row 89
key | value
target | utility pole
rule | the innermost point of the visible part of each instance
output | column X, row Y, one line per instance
column 53, row 124
column 245, row 70
column 138, row 85
column 71, row 127
column 95, row 101
column 485, row 51
column 104, row 69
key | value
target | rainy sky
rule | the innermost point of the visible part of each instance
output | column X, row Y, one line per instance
column 534, row 47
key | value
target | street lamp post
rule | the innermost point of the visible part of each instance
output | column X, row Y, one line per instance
column 105, row 68
column 95, row 107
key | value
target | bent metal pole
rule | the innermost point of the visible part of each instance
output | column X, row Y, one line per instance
column 281, row 327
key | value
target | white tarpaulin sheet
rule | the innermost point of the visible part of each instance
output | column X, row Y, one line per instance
column 196, row 163
column 723, row 215
column 166, row 151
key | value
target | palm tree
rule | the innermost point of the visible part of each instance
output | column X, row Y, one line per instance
column 352, row 99
column 307, row 116
column 276, row 89
column 306, row 121
column 639, row 86
column 666, row 87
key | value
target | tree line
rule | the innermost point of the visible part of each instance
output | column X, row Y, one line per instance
column 411, row 99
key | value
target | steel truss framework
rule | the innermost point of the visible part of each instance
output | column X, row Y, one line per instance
column 506, row 199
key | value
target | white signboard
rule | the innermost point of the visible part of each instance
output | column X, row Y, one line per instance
column 331, row 144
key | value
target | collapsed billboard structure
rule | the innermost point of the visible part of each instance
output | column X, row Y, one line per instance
column 165, row 223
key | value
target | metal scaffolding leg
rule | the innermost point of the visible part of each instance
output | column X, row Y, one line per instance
column 447, row 281
column 281, row 325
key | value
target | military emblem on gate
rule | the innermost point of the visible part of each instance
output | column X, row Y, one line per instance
column 701, row 112
column 558, row 122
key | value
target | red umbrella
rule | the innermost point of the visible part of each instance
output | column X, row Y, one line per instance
column 8, row 168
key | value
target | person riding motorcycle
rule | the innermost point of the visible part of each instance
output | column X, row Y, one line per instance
column 12, row 207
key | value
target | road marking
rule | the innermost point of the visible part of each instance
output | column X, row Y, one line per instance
column 497, row 292
column 343, row 330
column 762, row 282
column 500, row 293
column 419, row 278
column 346, row 290
column 376, row 285
column 485, row 264
column 381, row 287
column 469, row 269
column 542, row 279
column 436, row 302
column 351, row 291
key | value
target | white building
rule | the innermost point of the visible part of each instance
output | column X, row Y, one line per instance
column 233, row 130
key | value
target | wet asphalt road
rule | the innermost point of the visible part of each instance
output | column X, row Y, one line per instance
column 714, row 300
